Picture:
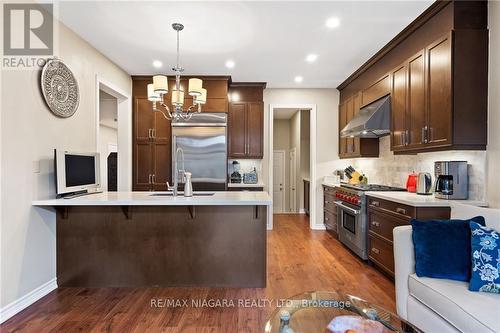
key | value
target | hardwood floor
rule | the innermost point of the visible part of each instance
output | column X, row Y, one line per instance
column 299, row 260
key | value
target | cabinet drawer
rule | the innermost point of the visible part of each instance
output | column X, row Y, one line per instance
column 328, row 190
column 394, row 208
column 381, row 254
column 328, row 204
column 330, row 221
column 382, row 224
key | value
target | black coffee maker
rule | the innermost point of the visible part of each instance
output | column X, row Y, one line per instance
column 452, row 180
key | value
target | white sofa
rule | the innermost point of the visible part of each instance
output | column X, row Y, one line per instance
column 439, row 305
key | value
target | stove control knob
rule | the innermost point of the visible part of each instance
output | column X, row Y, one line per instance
column 358, row 201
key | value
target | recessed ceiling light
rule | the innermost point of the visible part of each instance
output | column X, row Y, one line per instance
column 157, row 64
column 333, row 22
column 311, row 57
column 230, row 64
column 298, row 79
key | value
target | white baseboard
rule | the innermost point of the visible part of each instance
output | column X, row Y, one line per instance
column 22, row 303
column 302, row 211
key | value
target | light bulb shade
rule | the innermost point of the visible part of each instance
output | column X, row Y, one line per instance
column 194, row 87
column 177, row 97
column 202, row 99
column 160, row 84
column 152, row 96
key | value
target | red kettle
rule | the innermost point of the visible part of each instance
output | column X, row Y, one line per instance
column 411, row 183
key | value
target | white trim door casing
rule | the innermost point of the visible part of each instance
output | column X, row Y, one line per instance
column 124, row 105
column 315, row 219
column 293, row 180
column 279, row 178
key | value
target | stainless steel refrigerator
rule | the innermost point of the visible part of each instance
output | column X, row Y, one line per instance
column 203, row 140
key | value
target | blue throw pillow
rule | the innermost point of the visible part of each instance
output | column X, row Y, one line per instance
column 485, row 259
column 443, row 248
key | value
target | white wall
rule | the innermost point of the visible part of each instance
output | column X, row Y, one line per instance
column 29, row 133
column 493, row 184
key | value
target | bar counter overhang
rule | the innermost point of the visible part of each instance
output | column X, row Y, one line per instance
column 142, row 239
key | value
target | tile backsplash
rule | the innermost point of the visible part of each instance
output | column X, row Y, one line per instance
column 390, row 169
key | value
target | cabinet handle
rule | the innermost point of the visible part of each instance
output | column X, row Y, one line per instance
column 327, row 219
column 407, row 137
column 149, row 179
column 153, row 178
column 401, row 211
column 403, row 139
column 149, row 133
column 327, row 202
column 375, row 223
column 375, row 250
column 375, row 203
column 153, row 133
column 424, row 134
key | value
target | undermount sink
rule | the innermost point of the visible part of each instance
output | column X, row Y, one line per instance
column 181, row 194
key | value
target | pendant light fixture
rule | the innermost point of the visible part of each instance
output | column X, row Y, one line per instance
column 159, row 88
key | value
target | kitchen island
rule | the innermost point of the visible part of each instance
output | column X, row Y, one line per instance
column 143, row 239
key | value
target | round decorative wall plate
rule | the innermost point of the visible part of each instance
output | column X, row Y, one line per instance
column 59, row 88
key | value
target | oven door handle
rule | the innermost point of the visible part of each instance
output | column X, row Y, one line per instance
column 349, row 209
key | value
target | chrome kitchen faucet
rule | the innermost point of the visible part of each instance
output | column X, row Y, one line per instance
column 176, row 171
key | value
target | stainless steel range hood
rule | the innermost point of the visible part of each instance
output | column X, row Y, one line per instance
column 372, row 121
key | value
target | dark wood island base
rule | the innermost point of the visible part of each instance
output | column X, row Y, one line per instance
column 165, row 246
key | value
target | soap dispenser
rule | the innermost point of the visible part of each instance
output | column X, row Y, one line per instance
column 188, row 185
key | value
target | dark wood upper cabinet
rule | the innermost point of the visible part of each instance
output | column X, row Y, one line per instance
column 255, row 129
column 377, row 90
column 398, row 108
column 436, row 71
column 354, row 147
column 416, row 110
column 246, row 120
column 237, row 130
column 438, row 128
column 342, row 123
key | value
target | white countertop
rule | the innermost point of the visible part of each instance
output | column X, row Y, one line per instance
column 416, row 200
column 330, row 184
column 145, row 199
column 245, row 185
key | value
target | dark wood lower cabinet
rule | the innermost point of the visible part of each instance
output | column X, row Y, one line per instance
column 330, row 211
column 383, row 217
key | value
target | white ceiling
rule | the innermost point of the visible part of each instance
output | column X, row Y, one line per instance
column 268, row 41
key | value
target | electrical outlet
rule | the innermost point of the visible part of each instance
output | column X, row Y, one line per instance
column 36, row 166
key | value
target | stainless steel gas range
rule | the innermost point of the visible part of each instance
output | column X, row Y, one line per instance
column 352, row 218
